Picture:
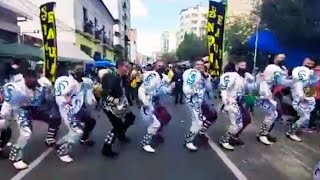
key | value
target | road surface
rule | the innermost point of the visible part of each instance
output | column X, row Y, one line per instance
column 283, row 160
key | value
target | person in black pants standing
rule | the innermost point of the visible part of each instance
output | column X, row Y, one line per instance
column 177, row 79
column 115, row 105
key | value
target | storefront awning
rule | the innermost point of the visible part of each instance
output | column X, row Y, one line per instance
column 66, row 52
column 20, row 51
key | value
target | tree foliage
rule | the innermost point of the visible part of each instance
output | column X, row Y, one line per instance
column 295, row 22
column 169, row 57
column 238, row 29
column 192, row 47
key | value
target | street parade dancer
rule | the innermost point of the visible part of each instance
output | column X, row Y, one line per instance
column 73, row 92
column 85, row 114
column 154, row 85
column 17, row 97
column 115, row 106
column 207, row 106
column 233, row 86
column 44, row 108
column 302, row 77
column 194, row 91
column 272, row 75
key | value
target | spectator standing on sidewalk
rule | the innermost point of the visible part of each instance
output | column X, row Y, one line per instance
column 177, row 79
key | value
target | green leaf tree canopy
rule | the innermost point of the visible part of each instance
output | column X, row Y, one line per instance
column 295, row 22
column 169, row 57
column 192, row 47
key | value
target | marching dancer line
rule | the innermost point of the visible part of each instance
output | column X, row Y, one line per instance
column 31, row 95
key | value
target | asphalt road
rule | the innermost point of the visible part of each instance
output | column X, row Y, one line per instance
column 283, row 160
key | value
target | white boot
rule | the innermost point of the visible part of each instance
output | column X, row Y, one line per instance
column 264, row 140
column 293, row 137
column 227, row 146
column 148, row 149
column 191, row 147
column 66, row 159
column 20, row 165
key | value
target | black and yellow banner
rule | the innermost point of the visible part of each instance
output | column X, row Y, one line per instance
column 215, row 28
column 48, row 25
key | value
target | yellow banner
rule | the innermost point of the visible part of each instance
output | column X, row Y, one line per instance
column 48, row 25
column 215, row 28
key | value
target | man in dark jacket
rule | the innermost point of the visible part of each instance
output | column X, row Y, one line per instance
column 116, row 107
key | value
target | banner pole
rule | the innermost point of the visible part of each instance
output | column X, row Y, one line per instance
column 224, row 31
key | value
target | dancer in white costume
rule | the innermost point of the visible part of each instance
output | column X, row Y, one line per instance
column 193, row 88
column 194, row 93
column 233, row 85
column 154, row 84
column 70, row 100
column 302, row 77
column 273, row 75
column 17, row 97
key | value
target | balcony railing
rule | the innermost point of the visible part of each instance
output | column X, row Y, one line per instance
column 88, row 27
column 98, row 35
column 106, row 40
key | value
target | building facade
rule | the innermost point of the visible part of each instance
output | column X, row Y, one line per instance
column 120, row 9
column 9, row 28
column 168, row 41
column 192, row 20
column 240, row 7
column 86, row 24
column 133, row 46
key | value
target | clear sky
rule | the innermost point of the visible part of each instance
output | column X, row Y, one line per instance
column 152, row 17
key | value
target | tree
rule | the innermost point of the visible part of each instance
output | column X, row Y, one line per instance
column 192, row 47
column 238, row 29
column 295, row 22
column 169, row 57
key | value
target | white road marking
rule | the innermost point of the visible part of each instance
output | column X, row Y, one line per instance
column 35, row 163
column 235, row 170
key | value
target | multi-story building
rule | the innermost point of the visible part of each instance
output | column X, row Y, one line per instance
column 133, row 45
column 85, row 24
column 239, row 7
column 192, row 20
column 9, row 34
column 168, row 41
column 120, row 10
column 9, row 29
column 164, row 41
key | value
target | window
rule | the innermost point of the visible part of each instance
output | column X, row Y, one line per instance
column 86, row 49
column 194, row 15
column 194, row 29
column 203, row 22
column 194, row 22
column 85, row 14
column 204, row 15
column 187, row 16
